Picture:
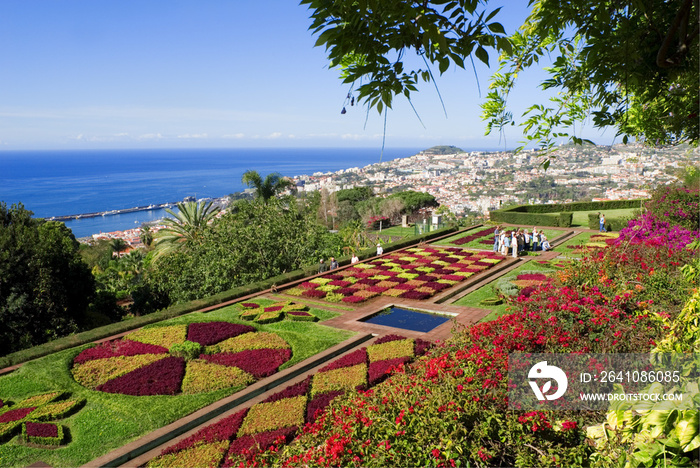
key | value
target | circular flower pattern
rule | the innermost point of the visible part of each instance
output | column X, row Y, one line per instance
column 149, row 361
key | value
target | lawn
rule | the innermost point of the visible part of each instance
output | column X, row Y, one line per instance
column 581, row 217
column 108, row 421
column 485, row 240
column 397, row 231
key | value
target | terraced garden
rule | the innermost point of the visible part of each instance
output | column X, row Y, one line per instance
column 99, row 397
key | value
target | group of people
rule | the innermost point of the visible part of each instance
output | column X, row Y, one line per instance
column 517, row 241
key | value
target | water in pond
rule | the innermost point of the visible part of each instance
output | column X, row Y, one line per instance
column 407, row 319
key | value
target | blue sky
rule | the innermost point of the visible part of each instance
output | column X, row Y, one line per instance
column 184, row 74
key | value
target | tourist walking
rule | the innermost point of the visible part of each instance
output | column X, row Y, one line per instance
column 601, row 219
column 535, row 239
column 504, row 242
column 496, row 237
column 380, row 250
column 514, row 243
column 321, row 267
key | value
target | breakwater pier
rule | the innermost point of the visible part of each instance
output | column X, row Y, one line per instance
column 111, row 212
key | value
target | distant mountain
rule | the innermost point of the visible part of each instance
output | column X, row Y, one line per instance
column 443, row 150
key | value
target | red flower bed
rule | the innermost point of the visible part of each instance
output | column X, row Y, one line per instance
column 118, row 348
column 388, row 338
column 273, row 308
column 308, row 285
column 437, row 286
column 354, row 299
column 208, row 333
column 346, row 291
column 314, row 293
column 533, row 277
column 427, row 278
column 340, row 283
column 377, row 289
column 42, row 429
column 258, row 362
column 160, row 378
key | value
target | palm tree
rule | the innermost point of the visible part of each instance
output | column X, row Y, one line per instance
column 269, row 187
column 118, row 245
column 187, row 227
column 146, row 236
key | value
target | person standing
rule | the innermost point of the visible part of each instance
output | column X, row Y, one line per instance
column 535, row 238
column 496, row 237
column 602, row 223
column 380, row 250
column 354, row 259
column 514, row 243
column 321, row 267
column 506, row 244
column 527, row 239
column 545, row 244
column 334, row 263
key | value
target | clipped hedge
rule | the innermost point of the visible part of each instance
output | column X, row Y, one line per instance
column 557, row 215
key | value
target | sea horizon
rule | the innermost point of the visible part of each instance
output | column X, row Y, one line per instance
column 71, row 182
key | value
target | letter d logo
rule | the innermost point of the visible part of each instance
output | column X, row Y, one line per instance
column 542, row 371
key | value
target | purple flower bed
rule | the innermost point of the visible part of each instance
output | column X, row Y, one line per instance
column 222, row 430
column 251, row 444
column 209, row 333
column 42, row 429
column 298, row 389
column 300, row 313
column 377, row 289
column 533, row 277
column 370, row 282
column 388, row 338
column 16, row 414
column 427, row 278
column 258, row 362
column 378, row 370
column 346, row 291
column 405, row 287
column 250, row 305
column 416, row 295
column 316, row 406
column 341, row 283
column 160, row 378
column 273, row 308
column 349, row 360
column 421, row 346
column 470, row 237
column 118, row 348
column 354, row 299
column 314, row 293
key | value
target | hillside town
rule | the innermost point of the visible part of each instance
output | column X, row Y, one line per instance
column 473, row 183
column 478, row 181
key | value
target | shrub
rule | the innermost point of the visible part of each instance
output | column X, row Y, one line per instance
column 187, row 349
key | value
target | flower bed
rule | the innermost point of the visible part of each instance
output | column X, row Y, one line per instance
column 400, row 274
column 477, row 235
column 24, row 417
column 280, row 416
column 281, row 310
column 42, row 433
column 234, row 356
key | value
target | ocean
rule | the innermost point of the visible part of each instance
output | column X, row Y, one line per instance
column 60, row 183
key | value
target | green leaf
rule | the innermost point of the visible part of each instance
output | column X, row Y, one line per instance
column 482, row 55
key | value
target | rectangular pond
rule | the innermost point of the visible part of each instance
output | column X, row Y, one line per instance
column 407, row 319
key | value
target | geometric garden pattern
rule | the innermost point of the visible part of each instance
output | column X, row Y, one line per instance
column 189, row 359
column 238, row 437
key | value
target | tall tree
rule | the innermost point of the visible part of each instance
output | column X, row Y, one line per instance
column 45, row 288
column 266, row 188
column 630, row 65
column 186, row 228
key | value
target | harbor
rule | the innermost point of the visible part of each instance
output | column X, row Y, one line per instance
column 161, row 206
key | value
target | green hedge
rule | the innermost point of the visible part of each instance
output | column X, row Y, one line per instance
column 180, row 309
column 559, row 215
column 611, row 224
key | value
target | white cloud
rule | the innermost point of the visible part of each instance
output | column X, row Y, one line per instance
column 194, row 136
column 235, row 136
column 274, row 135
column 151, row 136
